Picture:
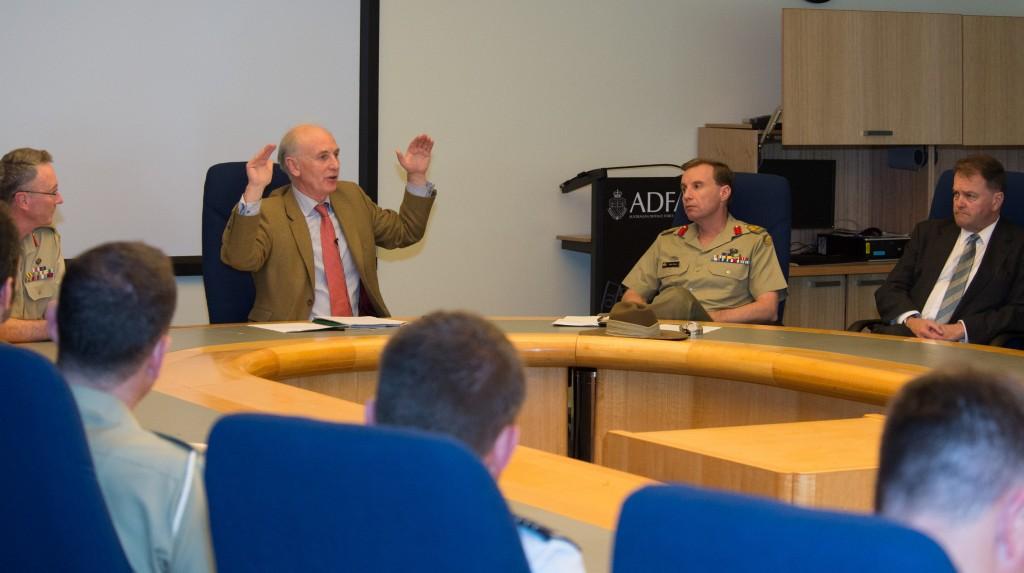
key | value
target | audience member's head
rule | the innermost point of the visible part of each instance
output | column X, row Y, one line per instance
column 112, row 316
column 9, row 249
column 952, row 465
column 453, row 373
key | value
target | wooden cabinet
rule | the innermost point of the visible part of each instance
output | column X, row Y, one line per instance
column 816, row 302
column 871, row 78
column 860, row 296
column 993, row 80
column 833, row 296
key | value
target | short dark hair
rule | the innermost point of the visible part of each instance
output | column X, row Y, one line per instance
column 116, row 302
column 18, row 167
column 722, row 174
column 990, row 169
column 452, row 373
column 953, row 443
column 10, row 245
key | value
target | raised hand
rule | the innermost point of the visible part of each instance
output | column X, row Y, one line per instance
column 260, row 170
column 416, row 159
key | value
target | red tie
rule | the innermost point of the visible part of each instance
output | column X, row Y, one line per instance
column 336, row 286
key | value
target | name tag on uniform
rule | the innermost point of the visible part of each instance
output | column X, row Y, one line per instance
column 670, row 265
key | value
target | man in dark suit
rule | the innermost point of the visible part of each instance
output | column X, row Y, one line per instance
column 962, row 278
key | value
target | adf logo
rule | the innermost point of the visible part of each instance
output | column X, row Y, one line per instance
column 617, row 206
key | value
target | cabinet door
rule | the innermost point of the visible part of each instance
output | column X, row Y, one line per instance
column 993, row 80
column 860, row 296
column 816, row 302
column 871, row 78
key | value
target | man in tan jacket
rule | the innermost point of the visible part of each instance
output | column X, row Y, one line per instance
column 311, row 245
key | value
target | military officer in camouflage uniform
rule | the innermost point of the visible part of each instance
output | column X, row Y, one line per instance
column 111, row 326
column 716, row 268
column 28, row 184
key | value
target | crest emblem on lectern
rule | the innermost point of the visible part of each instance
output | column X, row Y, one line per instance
column 617, row 206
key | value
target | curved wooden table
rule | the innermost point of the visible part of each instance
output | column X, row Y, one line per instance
column 735, row 375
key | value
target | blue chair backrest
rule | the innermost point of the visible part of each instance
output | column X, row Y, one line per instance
column 1013, row 197
column 229, row 293
column 54, row 514
column 674, row 528
column 291, row 494
column 761, row 199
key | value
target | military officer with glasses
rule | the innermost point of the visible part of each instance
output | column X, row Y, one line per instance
column 28, row 184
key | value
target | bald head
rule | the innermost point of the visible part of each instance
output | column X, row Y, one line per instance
column 291, row 141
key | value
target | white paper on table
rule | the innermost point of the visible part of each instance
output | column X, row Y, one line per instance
column 576, row 321
column 363, row 321
column 289, row 327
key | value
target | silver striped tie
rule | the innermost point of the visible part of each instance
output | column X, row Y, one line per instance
column 958, row 282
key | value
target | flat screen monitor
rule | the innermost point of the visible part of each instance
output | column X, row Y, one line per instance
column 812, row 188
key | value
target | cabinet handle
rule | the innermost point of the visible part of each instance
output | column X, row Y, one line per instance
column 823, row 284
column 874, row 132
column 871, row 282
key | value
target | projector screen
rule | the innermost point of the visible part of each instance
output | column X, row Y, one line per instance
column 135, row 100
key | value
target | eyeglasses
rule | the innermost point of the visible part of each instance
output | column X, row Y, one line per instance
column 55, row 191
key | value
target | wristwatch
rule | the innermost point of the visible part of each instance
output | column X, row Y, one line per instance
column 915, row 315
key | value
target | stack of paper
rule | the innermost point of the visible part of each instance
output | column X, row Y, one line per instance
column 358, row 321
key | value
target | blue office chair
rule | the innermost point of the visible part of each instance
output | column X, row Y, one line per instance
column 229, row 293
column 942, row 208
column 291, row 494
column 761, row 199
column 54, row 514
column 676, row 528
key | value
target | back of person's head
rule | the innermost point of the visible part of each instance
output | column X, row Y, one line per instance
column 452, row 373
column 990, row 169
column 952, row 465
column 9, row 252
column 18, row 167
column 953, row 443
column 116, row 302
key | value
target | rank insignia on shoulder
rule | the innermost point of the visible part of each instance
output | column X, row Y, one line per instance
column 681, row 230
column 737, row 231
column 755, row 229
column 672, row 230
column 670, row 265
column 767, row 240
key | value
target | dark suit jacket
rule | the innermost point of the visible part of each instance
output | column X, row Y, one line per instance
column 993, row 302
column 276, row 246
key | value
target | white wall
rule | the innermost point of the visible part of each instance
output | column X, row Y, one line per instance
column 522, row 95
column 137, row 99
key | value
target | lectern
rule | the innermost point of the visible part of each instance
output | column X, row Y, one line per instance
column 626, row 214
